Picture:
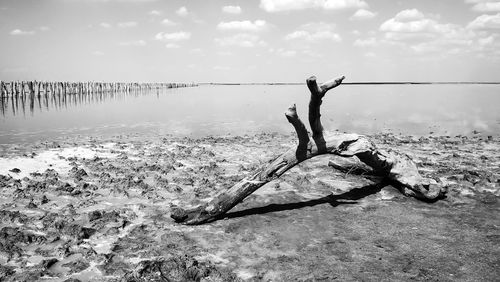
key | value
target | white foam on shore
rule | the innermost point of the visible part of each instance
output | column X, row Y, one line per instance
column 55, row 159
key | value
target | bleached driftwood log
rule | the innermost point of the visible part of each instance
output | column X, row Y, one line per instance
column 398, row 168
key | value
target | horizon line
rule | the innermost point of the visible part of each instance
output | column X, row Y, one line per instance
column 353, row 83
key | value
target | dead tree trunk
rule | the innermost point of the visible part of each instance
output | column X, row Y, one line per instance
column 397, row 167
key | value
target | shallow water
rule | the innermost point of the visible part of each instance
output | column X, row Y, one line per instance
column 247, row 109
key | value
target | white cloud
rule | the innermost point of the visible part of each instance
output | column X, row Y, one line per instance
column 393, row 25
column 22, row 32
column 485, row 7
column 232, row 10
column 155, row 13
column 175, row 36
column 314, row 32
column 127, row 24
column 133, row 43
column 409, row 15
column 221, row 68
column 372, row 41
column 105, row 25
column 257, row 25
column 319, row 35
column 168, row 22
column 98, row 53
column 44, row 28
column 290, row 5
column 182, row 11
column 413, row 21
column 286, row 53
column 196, row 51
column 486, row 41
column 241, row 40
column 485, row 22
column 224, row 53
column 172, row 46
column 344, row 4
column 412, row 29
column 363, row 14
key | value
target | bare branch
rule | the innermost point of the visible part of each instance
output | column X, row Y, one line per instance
column 300, row 128
column 317, row 94
column 325, row 86
column 397, row 167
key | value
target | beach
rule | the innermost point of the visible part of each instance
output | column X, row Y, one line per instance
column 97, row 209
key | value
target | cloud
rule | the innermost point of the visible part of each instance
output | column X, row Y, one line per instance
column 257, row 25
column 173, row 37
column 413, row 21
column 485, row 7
column 486, row 41
column 44, row 28
column 232, row 10
column 172, row 46
column 221, row 68
column 127, row 24
column 372, row 41
column 168, row 22
column 196, row 51
column 105, row 25
column 98, row 53
column 363, row 14
column 133, row 43
column 485, row 22
column 286, row 53
column 22, row 32
column 291, row 5
column 224, row 53
column 240, row 40
column 314, row 32
column 409, row 15
column 414, row 30
column 155, row 13
column 182, row 11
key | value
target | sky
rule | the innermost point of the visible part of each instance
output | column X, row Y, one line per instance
column 249, row 40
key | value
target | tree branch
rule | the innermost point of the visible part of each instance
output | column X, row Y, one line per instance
column 397, row 167
column 300, row 128
column 317, row 94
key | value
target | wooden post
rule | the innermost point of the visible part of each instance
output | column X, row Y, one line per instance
column 3, row 89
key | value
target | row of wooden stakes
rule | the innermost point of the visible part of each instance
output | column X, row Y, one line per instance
column 23, row 88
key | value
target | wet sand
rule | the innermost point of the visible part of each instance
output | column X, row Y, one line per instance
column 97, row 209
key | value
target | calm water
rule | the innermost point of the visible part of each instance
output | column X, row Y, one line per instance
column 239, row 110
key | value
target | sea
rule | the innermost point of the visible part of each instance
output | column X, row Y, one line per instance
column 409, row 109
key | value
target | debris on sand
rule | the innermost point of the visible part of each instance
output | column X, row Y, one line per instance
column 100, row 212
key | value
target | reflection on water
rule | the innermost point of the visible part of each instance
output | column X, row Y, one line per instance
column 248, row 109
column 18, row 104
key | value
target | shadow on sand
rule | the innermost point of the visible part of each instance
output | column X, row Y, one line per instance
column 347, row 198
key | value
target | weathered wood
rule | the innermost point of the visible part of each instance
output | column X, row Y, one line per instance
column 302, row 135
column 395, row 166
column 317, row 94
column 35, row 88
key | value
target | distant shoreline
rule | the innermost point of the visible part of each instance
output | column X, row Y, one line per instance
column 351, row 83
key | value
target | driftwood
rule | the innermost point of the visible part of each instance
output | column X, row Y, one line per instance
column 396, row 167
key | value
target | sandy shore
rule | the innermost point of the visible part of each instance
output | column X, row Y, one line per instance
column 97, row 209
